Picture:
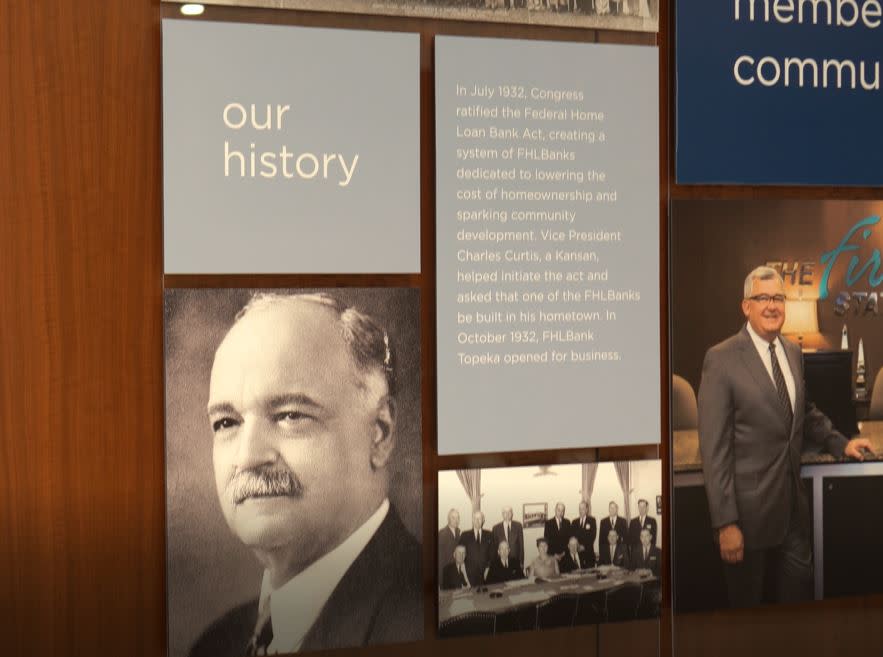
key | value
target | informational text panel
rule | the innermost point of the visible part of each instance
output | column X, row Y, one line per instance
column 547, row 245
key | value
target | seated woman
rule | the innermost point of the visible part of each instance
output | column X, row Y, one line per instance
column 545, row 565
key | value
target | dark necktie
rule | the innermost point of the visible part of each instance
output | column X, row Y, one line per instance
column 463, row 581
column 781, row 389
column 263, row 633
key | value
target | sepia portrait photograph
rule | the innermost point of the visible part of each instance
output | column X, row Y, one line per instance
column 504, row 566
column 632, row 15
column 293, row 469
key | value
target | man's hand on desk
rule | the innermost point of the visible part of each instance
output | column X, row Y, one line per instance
column 732, row 543
column 855, row 446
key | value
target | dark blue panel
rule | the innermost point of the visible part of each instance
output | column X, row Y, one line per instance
column 756, row 134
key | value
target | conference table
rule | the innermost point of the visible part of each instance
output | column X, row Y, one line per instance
column 839, row 490
column 527, row 593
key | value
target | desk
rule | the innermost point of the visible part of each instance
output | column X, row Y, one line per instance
column 527, row 593
column 837, row 486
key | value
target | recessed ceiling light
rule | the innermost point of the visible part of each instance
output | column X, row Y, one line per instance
column 192, row 9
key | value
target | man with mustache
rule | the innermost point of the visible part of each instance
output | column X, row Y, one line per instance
column 753, row 420
column 301, row 405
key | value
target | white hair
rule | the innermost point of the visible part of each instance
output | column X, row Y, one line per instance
column 762, row 273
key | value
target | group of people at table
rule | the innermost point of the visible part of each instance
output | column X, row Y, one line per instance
column 477, row 557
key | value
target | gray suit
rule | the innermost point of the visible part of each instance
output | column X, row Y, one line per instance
column 751, row 459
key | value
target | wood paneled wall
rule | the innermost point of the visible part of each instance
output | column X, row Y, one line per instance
column 82, row 523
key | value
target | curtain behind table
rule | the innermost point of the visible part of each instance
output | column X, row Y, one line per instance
column 589, row 471
column 471, row 480
column 624, row 474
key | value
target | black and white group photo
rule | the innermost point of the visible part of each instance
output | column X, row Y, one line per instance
column 538, row 547
column 637, row 15
column 293, row 441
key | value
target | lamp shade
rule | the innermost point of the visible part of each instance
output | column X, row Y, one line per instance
column 801, row 317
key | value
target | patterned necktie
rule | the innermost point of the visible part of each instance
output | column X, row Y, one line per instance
column 781, row 388
column 263, row 632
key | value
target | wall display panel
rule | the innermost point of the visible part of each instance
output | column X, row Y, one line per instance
column 765, row 441
column 779, row 92
column 290, row 149
column 547, row 245
column 634, row 15
column 294, row 469
column 521, row 548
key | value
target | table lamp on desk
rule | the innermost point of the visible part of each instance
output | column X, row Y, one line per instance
column 801, row 318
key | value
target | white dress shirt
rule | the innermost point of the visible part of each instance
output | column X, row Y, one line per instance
column 763, row 350
column 296, row 605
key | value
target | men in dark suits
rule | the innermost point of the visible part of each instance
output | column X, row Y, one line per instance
column 512, row 532
column 454, row 575
column 614, row 553
column 479, row 546
column 573, row 559
column 643, row 521
column 557, row 532
column 613, row 522
column 503, row 567
column 753, row 420
column 585, row 529
column 448, row 539
column 300, row 404
column 645, row 555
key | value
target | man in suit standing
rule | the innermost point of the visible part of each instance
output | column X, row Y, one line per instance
column 645, row 555
column 643, row 521
column 573, row 559
column 585, row 529
column 557, row 532
column 479, row 546
column 448, row 538
column 512, row 532
column 613, row 552
column 454, row 575
column 753, row 420
column 301, row 405
column 614, row 523
column 503, row 567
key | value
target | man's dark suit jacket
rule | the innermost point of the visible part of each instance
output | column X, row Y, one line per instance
column 451, row 580
column 585, row 531
column 497, row 573
column 557, row 538
column 653, row 561
column 585, row 559
column 516, row 540
column 379, row 600
column 477, row 556
column 620, row 557
column 750, row 458
column 446, row 544
column 634, row 538
column 621, row 530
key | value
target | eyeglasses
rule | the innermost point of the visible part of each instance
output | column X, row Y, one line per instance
column 765, row 299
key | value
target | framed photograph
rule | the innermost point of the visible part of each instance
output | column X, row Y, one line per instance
column 535, row 514
column 303, row 353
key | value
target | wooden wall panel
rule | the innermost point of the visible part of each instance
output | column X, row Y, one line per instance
column 81, row 473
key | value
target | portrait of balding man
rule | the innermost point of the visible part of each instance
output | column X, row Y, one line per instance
column 311, row 427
